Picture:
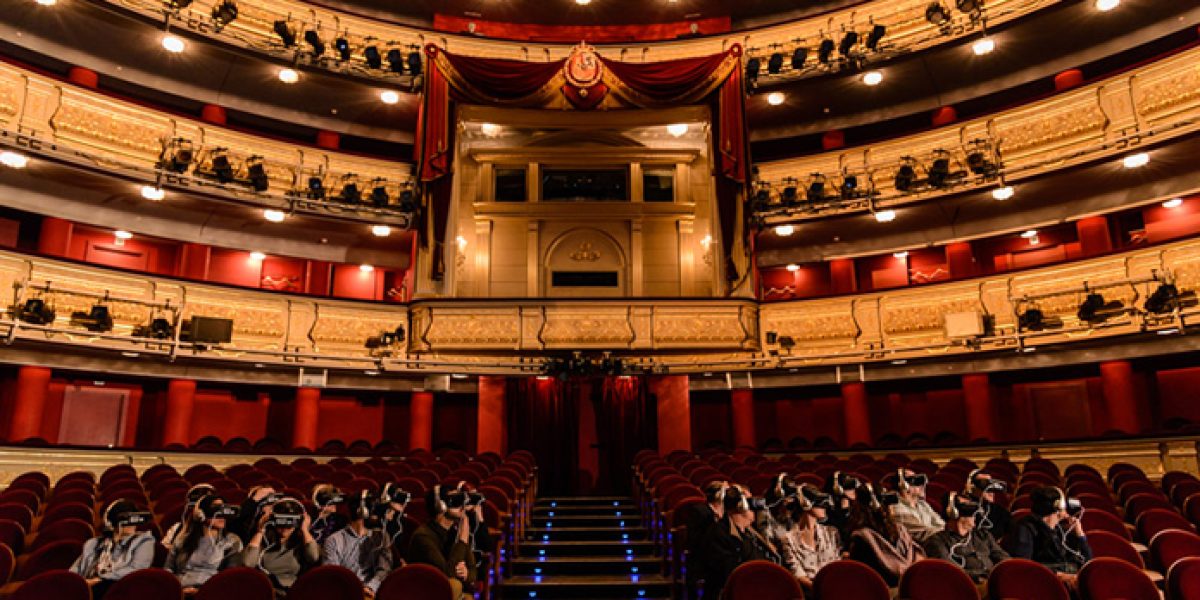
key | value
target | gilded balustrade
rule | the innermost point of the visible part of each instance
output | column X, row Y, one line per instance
column 1152, row 104
column 112, row 134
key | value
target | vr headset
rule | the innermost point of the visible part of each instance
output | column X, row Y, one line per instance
column 132, row 518
column 287, row 513
column 816, row 498
column 988, row 485
column 221, row 512
column 918, row 480
column 1074, row 506
column 328, row 498
column 757, row 504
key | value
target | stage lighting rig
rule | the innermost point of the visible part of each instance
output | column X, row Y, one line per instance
column 775, row 63
column 906, row 176
column 790, row 195
column 316, row 188
column 256, row 173
column 36, row 311
column 224, row 13
column 350, row 192
column 937, row 14
column 373, row 58
column 414, row 61
column 983, row 158
column 753, row 66
column 177, row 155
column 847, row 44
column 943, row 171
column 342, row 46
column 825, row 51
column 1095, row 309
column 287, row 36
column 408, row 198
column 816, row 188
column 395, row 59
column 799, row 56
column 314, row 41
column 875, row 36
column 379, row 193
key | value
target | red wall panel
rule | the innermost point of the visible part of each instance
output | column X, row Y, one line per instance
column 350, row 418
column 221, row 414
column 234, row 267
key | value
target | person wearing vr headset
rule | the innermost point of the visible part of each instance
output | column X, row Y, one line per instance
column 282, row 546
column 876, row 539
column 733, row 539
column 992, row 517
column 246, row 521
column 206, row 547
column 118, row 551
column 327, row 498
column 698, row 524
column 445, row 541
column 362, row 545
column 805, row 543
column 912, row 511
column 1052, row 534
column 194, row 495
column 964, row 543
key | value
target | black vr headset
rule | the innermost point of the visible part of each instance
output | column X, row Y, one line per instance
column 810, row 498
column 328, row 497
column 124, row 513
column 287, row 512
column 903, row 482
column 958, row 506
column 218, row 511
column 985, row 483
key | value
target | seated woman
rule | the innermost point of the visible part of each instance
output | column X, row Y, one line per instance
column 120, row 550
column 733, row 540
column 194, row 495
column 804, row 541
column 282, row 546
column 207, row 547
column 878, row 541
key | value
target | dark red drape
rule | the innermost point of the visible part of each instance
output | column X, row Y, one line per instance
column 543, row 418
column 625, row 423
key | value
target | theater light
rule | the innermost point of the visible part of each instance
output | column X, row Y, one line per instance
column 1032, row 233
column 872, row 78
column 900, row 255
column 1134, row 161
column 389, row 97
column 47, row 2
column 173, row 44
column 121, row 234
column 381, row 230
column 289, row 76
column 1003, row 193
column 983, row 46
column 1173, row 203
column 677, row 129
column 776, row 98
column 152, row 193
column 885, row 216
column 583, row 2
column 257, row 256
column 13, row 160
column 489, row 129
column 784, row 230
column 793, row 267
column 365, row 268
column 274, row 216
column 1107, row 5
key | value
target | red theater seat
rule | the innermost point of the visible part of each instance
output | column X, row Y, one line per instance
column 1183, row 580
column 933, row 579
column 147, row 584
column 416, row 582
column 8, row 562
column 242, row 583
column 1020, row 579
column 75, row 530
column 1114, row 579
column 12, row 535
column 1111, row 545
column 70, row 510
column 55, row 555
column 761, row 580
column 1171, row 546
column 1101, row 521
column 849, row 579
column 58, row 585
column 1155, row 520
column 327, row 582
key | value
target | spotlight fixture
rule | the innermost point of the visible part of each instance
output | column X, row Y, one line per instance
column 793, row 267
column 173, row 44
column 1094, row 308
column 872, row 78
column 936, row 14
column 395, row 59
column 316, row 189
column 373, row 58
column 153, row 193
column 1134, row 161
column 799, row 56
column 224, row 13
column 776, row 98
column 257, row 256
column 379, row 193
column 35, row 311
column 256, row 172
column 414, row 63
column 816, row 188
column 177, row 155
column 1166, row 298
column 313, row 39
column 762, row 196
column 389, row 97
column 350, row 193
column 983, row 45
column 753, row 66
column 365, row 268
column 96, row 320
column 849, row 187
column 274, row 215
column 885, row 216
column 408, row 198
column 981, row 158
column 286, row 36
column 906, row 175
column 876, row 35
column 775, row 63
column 790, row 194
column 220, row 166
column 342, row 45
column 1032, row 319
column 825, row 51
column 784, row 230
column 288, row 76
column 1173, row 203
column 381, row 230
column 969, row 7
column 941, row 173
column 179, row 4
column 13, row 160
column 848, row 42
column 1003, row 193
column 1107, row 5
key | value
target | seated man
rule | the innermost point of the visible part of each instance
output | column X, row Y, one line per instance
column 963, row 543
column 913, row 512
column 364, row 550
column 992, row 517
column 120, row 550
column 326, row 498
column 1052, row 534
column 733, row 540
column 445, row 541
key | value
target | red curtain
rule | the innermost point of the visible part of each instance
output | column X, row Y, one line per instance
column 625, row 423
column 543, row 418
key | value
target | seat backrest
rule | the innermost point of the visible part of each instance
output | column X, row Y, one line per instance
column 69, row 510
column 850, row 579
column 55, row 555
column 146, row 584
column 59, row 584
column 243, row 583
column 66, row 529
column 761, row 580
column 8, row 561
column 1114, row 579
column 1095, row 520
column 1183, row 580
column 327, row 582
column 1172, row 545
column 935, row 579
column 1112, row 545
column 12, row 535
column 1020, row 579
column 415, row 582
column 1155, row 520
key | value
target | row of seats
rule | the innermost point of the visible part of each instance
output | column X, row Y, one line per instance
column 241, row 445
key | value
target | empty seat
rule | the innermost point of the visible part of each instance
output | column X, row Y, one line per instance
column 1183, row 580
column 75, row 530
column 1101, row 521
column 849, row 579
column 1114, row 579
column 12, row 535
column 1020, row 579
column 58, row 584
column 243, row 583
column 1155, row 520
column 416, row 582
column 761, row 580
column 70, row 510
column 1171, row 546
column 934, row 579
column 327, row 582
column 8, row 562
column 146, row 584
column 1111, row 545
column 55, row 555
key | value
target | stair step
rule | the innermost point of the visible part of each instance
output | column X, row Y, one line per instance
column 608, row 548
column 609, row 520
column 586, row 509
column 588, row 586
column 558, row 534
column 586, row 500
column 587, row 565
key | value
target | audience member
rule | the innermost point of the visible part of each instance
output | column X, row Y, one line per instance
column 193, row 497
column 444, row 542
column 912, row 511
column 843, row 488
column 118, row 551
column 993, row 518
column 1052, row 534
column 733, row 540
column 327, row 498
column 206, row 547
column 282, row 546
column 364, row 550
column 876, row 539
column 964, row 543
column 257, row 497
column 699, row 522
column 805, row 543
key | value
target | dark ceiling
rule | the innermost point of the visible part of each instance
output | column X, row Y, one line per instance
column 744, row 13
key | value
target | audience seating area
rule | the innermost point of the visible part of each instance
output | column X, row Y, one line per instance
column 44, row 523
column 1143, row 533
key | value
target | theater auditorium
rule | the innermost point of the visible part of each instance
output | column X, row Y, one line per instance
column 599, row 299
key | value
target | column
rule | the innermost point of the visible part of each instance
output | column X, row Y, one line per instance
column 181, row 401
column 491, row 431
column 54, row 239
column 857, row 416
column 977, row 405
column 960, row 260
column 211, row 113
column 194, row 264
column 674, row 412
column 1094, row 238
column 743, row 418
column 1120, row 397
column 83, row 77
column 841, row 276
column 307, row 418
column 29, row 403
column 329, row 140
column 420, row 425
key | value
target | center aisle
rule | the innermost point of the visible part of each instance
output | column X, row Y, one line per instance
column 587, row 547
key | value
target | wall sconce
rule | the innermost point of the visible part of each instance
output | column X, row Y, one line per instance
column 706, row 244
column 460, row 257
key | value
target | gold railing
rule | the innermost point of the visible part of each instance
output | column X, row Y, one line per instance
column 516, row 336
column 1150, row 105
column 66, row 123
column 908, row 30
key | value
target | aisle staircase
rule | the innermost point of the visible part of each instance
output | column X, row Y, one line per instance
column 586, row 547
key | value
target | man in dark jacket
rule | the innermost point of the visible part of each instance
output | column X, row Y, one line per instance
column 445, row 541
column 1051, row 535
column 962, row 543
column 702, row 519
column 732, row 541
column 992, row 517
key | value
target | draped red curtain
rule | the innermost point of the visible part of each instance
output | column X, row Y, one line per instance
column 543, row 418
column 625, row 423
